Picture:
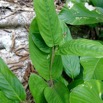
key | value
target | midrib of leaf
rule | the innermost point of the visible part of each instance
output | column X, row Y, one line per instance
column 49, row 18
column 96, row 66
column 11, row 87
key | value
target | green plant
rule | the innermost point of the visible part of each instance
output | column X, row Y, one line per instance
column 52, row 48
column 11, row 90
column 69, row 70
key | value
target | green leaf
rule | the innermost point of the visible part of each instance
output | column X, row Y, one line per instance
column 4, row 99
column 58, row 93
column 98, row 3
column 48, row 22
column 36, row 37
column 82, row 47
column 100, row 9
column 93, row 68
column 41, row 62
column 37, row 86
column 66, row 33
column 71, row 65
column 10, row 85
column 79, row 14
column 62, row 80
column 89, row 92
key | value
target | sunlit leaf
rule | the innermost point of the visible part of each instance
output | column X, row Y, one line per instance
column 89, row 92
column 66, row 33
column 80, row 13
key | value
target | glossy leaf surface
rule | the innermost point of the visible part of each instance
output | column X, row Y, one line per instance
column 48, row 22
column 41, row 62
column 89, row 92
column 82, row 47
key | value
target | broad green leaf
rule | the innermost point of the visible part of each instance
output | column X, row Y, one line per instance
column 37, row 86
column 89, row 92
column 93, row 68
column 58, row 93
column 71, row 65
column 41, row 62
column 69, row 61
column 36, row 37
column 4, row 99
column 57, row 67
column 66, row 33
column 10, row 85
column 48, row 22
column 79, row 14
column 82, row 47
column 98, row 3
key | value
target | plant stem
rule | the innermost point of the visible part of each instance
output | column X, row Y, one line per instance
column 51, row 64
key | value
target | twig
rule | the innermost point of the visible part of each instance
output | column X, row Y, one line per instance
column 16, row 67
column 13, row 42
column 21, row 55
column 8, row 15
column 20, row 10
column 23, row 58
column 19, row 48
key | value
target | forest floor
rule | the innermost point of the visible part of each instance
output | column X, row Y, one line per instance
column 15, row 18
